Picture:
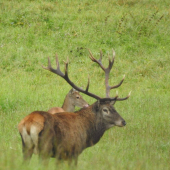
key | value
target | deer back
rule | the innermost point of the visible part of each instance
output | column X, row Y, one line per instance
column 54, row 110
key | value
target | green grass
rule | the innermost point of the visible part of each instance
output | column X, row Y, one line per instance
column 138, row 31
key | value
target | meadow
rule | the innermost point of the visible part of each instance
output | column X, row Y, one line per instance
column 138, row 31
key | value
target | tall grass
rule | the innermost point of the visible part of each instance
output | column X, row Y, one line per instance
column 138, row 31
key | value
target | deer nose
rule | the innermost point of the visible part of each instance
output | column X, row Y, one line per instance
column 123, row 123
column 86, row 105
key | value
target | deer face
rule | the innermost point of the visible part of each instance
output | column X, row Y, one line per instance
column 110, row 116
column 77, row 99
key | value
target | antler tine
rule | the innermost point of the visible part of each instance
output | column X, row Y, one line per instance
column 99, row 62
column 66, row 67
column 111, row 62
column 101, row 55
column 116, row 86
column 88, row 83
column 57, row 63
column 121, row 99
column 114, row 53
column 49, row 65
column 56, row 71
column 115, row 98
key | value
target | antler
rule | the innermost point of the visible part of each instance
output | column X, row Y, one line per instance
column 107, row 72
column 65, row 76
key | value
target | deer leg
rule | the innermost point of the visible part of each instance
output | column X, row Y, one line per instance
column 44, row 154
column 58, row 162
column 75, row 160
column 27, row 153
column 72, row 161
column 45, row 145
column 27, row 149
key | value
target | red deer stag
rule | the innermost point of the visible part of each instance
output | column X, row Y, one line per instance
column 65, row 135
column 72, row 99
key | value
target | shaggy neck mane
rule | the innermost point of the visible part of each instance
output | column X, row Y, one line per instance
column 94, row 124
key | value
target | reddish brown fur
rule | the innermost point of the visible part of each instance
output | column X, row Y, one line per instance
column 33, row 118
column 66, row 135
column 54, row 110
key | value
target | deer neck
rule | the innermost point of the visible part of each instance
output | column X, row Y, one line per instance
column 67, row 105
column 95, row 127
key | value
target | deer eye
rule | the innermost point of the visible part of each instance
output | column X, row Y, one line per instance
column 105, row 110
column 77, row 97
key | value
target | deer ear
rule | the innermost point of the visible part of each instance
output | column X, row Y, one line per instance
column 72, row 91
column 113, row 102
column 97, row 105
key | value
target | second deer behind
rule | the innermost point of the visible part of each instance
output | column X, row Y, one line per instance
column 72, row 99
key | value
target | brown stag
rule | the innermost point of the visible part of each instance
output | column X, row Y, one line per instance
column 65, row 135
column 72, row 99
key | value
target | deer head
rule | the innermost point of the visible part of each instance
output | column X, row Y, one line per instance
column 75, row 99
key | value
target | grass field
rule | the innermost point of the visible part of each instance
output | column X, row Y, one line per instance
column 138, row 31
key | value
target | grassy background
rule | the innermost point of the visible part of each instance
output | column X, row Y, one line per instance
column 139, row 32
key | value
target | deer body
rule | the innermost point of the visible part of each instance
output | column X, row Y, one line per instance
column 72, row 99
column 67, row 134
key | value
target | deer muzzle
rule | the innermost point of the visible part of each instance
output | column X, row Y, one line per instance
column 86, row 105
column 120, row 123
